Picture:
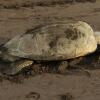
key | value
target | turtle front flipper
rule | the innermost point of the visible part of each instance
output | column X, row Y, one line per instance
column 17, row 66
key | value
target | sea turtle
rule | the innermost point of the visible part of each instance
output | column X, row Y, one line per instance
column 52, row 42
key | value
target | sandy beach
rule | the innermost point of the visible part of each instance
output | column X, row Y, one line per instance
column 18, row 16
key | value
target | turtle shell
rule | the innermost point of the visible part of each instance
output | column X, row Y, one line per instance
column 59, row 41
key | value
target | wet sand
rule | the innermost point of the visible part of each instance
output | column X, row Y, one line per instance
column 18, row 16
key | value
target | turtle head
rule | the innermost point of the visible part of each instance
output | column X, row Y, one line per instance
column 4, row 55
column 2, row 52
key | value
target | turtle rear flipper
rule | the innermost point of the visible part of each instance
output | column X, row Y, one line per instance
column 16, row 67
